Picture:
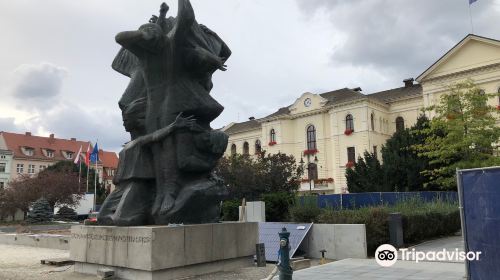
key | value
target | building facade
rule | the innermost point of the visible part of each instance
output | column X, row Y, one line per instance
column 327, row 132
column 27, row 154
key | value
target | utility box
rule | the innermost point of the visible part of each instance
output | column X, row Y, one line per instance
column 396, row 230
column 255, row 211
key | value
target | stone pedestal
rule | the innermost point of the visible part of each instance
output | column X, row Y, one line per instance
column 163, row 252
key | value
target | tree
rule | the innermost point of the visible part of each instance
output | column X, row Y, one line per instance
column 41, row 212
column 250, row 178
column 403, row 166
column 58, row 185
column 366, row 175
column 461, row 134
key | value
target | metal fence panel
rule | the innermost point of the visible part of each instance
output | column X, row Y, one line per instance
column 479, row 191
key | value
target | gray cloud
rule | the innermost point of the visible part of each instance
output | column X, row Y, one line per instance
column 7, row 124
column 37, row 85
column 280, row 50
column 70, row 120
column 401, row 37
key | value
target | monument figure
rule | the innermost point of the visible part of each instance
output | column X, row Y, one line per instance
column 165, row 172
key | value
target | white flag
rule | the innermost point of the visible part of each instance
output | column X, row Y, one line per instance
column 77, row 158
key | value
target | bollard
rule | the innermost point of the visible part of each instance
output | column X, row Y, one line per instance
column 396, row 230
column 284, row 255
column 260, row 252
column 323, row 260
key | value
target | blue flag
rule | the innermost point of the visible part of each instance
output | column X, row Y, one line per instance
column 94, row 156
column 472, row 1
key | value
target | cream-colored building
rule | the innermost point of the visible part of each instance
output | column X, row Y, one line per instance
column 329, row 131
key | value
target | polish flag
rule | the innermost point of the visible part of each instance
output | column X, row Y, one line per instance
column 87, row 156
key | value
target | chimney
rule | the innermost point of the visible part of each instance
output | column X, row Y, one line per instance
column 51, row 135
column 358, row 89
column 28, row 133
column 408, row 82
column 73, row 139
column 251, row 118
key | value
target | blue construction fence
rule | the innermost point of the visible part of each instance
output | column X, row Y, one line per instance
column 358, row 200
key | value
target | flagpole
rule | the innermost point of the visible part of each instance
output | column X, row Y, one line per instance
column 79, row 174
column 95, row 184
column 470, row 17
column 88, row 171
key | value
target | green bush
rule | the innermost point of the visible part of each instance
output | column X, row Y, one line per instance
column 421, row 221
column 305, row 210
column 278, row 205
column 230, row 210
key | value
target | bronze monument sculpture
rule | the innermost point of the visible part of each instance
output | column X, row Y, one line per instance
column 165, row 172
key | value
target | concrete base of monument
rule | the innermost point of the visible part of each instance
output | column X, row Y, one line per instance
column 163, row 252
column 169, row 273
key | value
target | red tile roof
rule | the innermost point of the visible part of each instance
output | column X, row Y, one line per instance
column 15, row 142
column 108, row 159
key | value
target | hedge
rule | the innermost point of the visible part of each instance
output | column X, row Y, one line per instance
column 421, row 220
column 277, row 207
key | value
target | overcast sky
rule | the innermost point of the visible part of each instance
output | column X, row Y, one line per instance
column 55, row 74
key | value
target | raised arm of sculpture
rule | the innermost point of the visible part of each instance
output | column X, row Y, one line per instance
column 179, row 123
column 185, row 19
column 139, row 41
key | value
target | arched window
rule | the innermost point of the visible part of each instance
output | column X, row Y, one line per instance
column 311, row 137
column 272, row 135
column 349, row 122
column 372, row 121
column 258, row 147
column 246, row 148
column 233, row 149
column 312, row 171
column 498, row 91
column 400, row 124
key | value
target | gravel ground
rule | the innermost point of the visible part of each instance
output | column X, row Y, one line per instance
column 23, row 263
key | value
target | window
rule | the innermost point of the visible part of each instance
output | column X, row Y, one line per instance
column 2, row 157
column 2, row 166
column 349, row 122
column 50, row 153
column 31, row 169
column 233, row 149
column 272, row 136
column 311, row 137
column 351, row 154
column 375, row 154
column 29, row 151
column 400, row 124
column 69, row 155
column 372, row 121
column 258, row 147
column 41, row 168
column 2, row 185
column 498, row 91
column 312, row 171
column 246, row 148
column 20, row 168
column 380, row 123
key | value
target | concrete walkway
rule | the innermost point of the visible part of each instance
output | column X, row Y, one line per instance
column 368, row 269
column 448, row 243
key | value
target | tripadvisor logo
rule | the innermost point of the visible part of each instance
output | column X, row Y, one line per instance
column 386, row 255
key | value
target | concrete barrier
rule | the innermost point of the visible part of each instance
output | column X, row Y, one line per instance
column 51, row 241
column 341, row 241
